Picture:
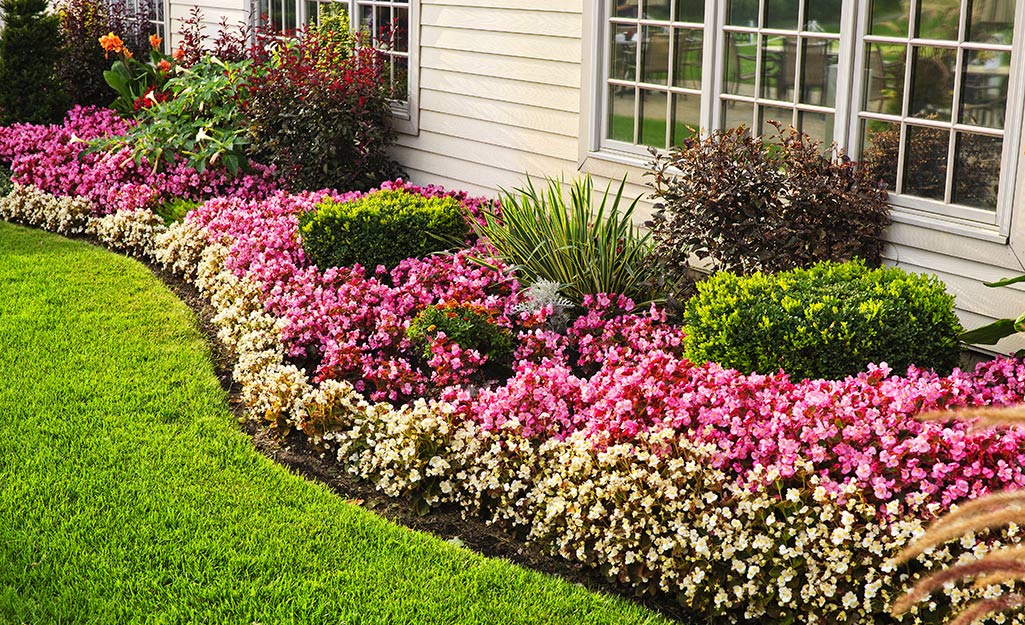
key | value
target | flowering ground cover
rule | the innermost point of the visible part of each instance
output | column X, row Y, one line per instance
column 130, row 496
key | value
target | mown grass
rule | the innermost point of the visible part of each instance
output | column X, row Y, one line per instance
column 128, row 494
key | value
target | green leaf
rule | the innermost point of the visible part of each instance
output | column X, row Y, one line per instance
column 990, row 334
column 1006, row 281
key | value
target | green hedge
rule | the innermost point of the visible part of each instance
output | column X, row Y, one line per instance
column 828, row 321
column 382, row 228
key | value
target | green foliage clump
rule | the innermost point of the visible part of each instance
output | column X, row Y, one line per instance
column 6, row 184
column 587, row 250
column 747, row 204
column 466, row 325
column 201, row 123
column 828, row 321
column 381, row 228
column 175, row 209
column 29, row 50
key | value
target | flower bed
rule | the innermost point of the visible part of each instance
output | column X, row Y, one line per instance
column 744, row 496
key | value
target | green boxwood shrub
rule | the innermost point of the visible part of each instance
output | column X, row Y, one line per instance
column 381, row 228
column 828, row 321
column 468, row 326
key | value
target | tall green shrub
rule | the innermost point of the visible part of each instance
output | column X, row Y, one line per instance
column 29, row 50
column 828, row 321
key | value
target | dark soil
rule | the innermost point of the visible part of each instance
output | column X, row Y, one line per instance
column 295, row 452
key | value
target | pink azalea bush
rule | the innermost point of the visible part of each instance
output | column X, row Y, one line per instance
column 54, row 159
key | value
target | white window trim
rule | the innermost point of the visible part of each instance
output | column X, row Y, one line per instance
column 993, row 226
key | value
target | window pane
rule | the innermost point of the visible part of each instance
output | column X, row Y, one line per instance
column 938, row 19
column 686, row 118
column 880, row 150
column 312, row 16
column 737, row 114
column 655, row 55
column 400, row 78
column 743, row 13
column 621, row 114
column 889, row 18
column 781, row 14
column 823, row 16
column 740, row 65
column 401, row 29
column 779, row 68
column 656, row 10
column 623, row 54
column 690, row 11
column 291, row 19
column 773, row 114
column 925, row 162
column 884, row 78
column 366, row 19
column 654, row 113
column 817, row 125
column 991, row 21
column 818, row 72
column 625, row 8
column 932, row 83
column 977, row 170
column 687, row 61
column 984, row 87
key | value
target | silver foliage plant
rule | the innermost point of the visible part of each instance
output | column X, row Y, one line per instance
column 546, row 293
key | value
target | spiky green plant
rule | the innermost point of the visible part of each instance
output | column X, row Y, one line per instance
column 990, row 512
column 588, row 250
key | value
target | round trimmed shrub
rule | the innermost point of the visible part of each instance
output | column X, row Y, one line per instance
column 828, row 321
column 382, row 228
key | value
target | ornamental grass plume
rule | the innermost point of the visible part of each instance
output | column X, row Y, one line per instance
column 992, row 511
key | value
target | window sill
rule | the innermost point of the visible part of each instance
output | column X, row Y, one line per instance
column 952, row 225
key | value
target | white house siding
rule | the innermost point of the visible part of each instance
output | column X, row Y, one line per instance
column 236, row 12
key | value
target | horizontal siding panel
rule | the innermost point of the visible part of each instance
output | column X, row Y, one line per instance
column 212, row 10
column 556, row 6
column 505, row 113
column 438, row 166
column 502, row 44
column 956, row 245
column 979, row 271
column 491, row 155
column 526, row 70
column 534, row 94
column 491, row 134
column 503, row 20
column 417, row 176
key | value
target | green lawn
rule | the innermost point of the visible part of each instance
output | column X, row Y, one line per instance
column 128, row 493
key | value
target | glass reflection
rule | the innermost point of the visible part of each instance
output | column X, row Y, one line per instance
column 884, row 78
column 817, row 125
column 740, row 65
column 653, row 116
column 690, row 11
column 984, row 87
column 880, row 150
column 977, row 170
column 656, row 10
column 938, row 19
column 822, row 16
column 991, row 21
column 818, row 72
column 781, row 14
column 687, row 58
column 737, row 114
column 889, row 18
column 621, row 113
column 925, row 162
column 625, row 8
column 655, row 55
column 932, row 83
column 686, row 118
column 773, row 114
column 743, row 13
column 779, row 68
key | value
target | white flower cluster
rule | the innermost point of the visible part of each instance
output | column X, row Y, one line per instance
column 651, row 513
column 132, row 232
column 31, row 206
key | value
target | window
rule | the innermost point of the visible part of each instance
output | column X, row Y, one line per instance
column 155, row 12
column 923, row 87
column 386, row 22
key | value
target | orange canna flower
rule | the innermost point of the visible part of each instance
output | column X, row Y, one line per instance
column 111, row 43
column 164, row 66
column 128, row 53
column 179, row 54
column 155, row 41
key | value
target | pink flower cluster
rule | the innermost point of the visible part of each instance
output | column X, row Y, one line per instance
column 350, row 322
column 54, row 159
column 615, row 374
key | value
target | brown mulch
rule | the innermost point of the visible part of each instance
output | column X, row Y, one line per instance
column 294, row 451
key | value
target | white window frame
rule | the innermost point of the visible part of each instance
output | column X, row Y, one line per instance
column 977, row 223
